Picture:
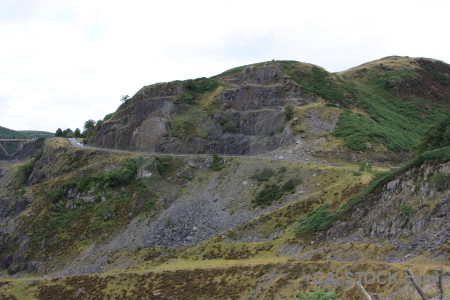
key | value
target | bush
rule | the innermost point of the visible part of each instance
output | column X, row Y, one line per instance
column 163, row 165
column 318, row 219
column 268, row 194
column 216, row 164
column 290, row 185
column 55, row 195
column 407, row 210
column 263, row 175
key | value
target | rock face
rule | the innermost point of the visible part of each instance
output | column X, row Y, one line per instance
column 244, row 114
column 411, row 208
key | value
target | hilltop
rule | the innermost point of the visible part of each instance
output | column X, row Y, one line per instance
column 242, row 185
column 379, row 109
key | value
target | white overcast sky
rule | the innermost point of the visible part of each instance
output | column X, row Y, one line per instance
column 63, row 62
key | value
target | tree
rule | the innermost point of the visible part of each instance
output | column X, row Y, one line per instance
column 59, row 132
column 77, row 133
column 125, row 98
column 68, row 132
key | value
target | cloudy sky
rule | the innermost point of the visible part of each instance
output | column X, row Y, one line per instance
column 63, row 62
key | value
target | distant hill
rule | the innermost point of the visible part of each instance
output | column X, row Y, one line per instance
column 6, row 133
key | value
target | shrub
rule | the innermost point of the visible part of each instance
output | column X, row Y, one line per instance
column 268, row 194
column 318, row 219
column 216, row 164
column 263, row 175
column 407, row 210
column 56, row 194
column 163, row 165
column 290, row 185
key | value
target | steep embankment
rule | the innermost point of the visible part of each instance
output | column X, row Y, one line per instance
column 374, row 111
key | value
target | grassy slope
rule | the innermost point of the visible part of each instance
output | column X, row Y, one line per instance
column 379, row 104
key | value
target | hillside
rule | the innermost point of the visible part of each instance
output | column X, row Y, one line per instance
column 266, row 174
column 375, row 111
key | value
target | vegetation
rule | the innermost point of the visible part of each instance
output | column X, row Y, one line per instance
column 437, row 136
column 263, row 175
column 318, row 82
column 216, row 164
column 407, row 210
column 163, row 165
column 180, row 128
column 193, row 88
column 269, row 194
column 365, row 166
column 26, row 169
column 290, row 185
column 319, row 219
column 123, row 176
column 228, row 126
column 316, row 295
column 440, row 181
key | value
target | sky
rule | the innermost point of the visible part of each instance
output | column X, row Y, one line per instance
column 63, row 62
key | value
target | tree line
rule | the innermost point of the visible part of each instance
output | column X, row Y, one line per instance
column 90, row 129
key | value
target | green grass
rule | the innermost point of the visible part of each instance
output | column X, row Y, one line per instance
column 194, row 88
column 316, row 295
column 396, row 124
column 319, row 219
column 318, row 82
